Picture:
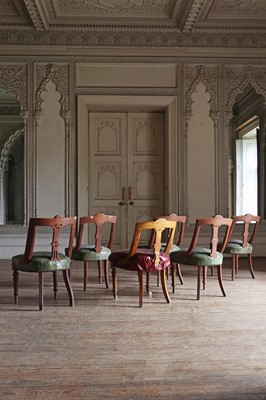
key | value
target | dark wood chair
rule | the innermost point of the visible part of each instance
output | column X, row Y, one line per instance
column 91, row 252
column 46, row 261
column 203, row 257
column 143, row 260
column 243, row 232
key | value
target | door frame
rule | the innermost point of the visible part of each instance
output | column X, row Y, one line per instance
column 109, row 103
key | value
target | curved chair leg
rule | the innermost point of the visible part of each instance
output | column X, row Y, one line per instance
column 106, row 278
column 15, row 281
column 148, row 289
column 100, row 271
column 220, row 279
column 55, row 285
column 86, row 267
column 40, row 291
column 250, row 265
column 164, row 286
column 179, row 274
column 69, row 288
column 140, row 275
column 114, row 278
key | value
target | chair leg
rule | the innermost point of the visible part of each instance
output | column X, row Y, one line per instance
column 86, row 267
column 179, row 274
column 164, row 286
column 236, row 263
column 55, row 285
column 100, row 271
column 148, row 289
column 204, row 277
column 158, row 279
column 114, row 278
column 233, row 266
column 199, row 283
column 106, row 277
column 173, row 269
column 15, row 282
column 69, row 288
column 140, row 275
column 40, row 291
column 250, row 265
column 220, row 279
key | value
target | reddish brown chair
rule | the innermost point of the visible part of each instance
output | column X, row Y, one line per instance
column 145, row 259
column 201, row 257
column 46, row 261
column 243, row 232
column 95, row 251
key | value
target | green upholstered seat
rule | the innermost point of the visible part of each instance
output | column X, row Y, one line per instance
column 199, row 257
column 235, row 246
column 88, row 253
column 41, row 262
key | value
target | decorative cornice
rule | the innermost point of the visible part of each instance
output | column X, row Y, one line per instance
column 133, row 38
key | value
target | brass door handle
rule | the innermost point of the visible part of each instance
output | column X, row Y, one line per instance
column 123, row 201
column 130, row 201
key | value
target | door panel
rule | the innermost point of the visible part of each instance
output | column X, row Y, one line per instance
column 126, row 168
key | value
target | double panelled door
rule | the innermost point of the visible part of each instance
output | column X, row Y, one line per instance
column 126, row 169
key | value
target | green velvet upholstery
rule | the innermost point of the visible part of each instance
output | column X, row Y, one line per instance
column 41, row 262
column 88, row 253
column 200, row 256
column 235, row 246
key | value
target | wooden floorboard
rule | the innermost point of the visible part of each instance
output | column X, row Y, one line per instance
column 104, row 349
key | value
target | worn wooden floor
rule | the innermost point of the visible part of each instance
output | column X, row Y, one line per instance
column 104, row 349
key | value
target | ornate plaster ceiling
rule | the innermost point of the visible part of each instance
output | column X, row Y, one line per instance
column 34, row 18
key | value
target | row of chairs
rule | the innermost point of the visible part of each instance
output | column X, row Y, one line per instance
column 160, row 254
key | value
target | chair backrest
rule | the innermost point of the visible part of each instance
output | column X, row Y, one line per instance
column 56, row 224
column 181, row 221
column 249, row 225
column 98, row 220
column 216, row 235
column 157, row 227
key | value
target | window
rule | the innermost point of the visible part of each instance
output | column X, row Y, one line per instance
column 247, row 169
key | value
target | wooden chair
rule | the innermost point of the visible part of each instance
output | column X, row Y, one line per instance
column 202, row 257
column 95, row 251
column 244, row 229
column 145, row 259
column 46, row 261
column 181, row 221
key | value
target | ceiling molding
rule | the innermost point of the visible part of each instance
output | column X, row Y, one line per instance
column 133, row 23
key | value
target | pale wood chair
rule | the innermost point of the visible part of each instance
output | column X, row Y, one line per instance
column 143, row 260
